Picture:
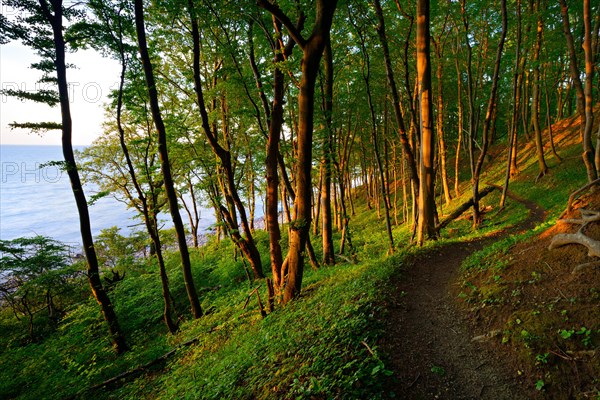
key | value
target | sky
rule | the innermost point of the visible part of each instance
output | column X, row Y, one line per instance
column 89, row 83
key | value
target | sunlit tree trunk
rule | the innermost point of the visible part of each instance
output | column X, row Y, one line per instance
column 586, row 136
column 326, row 164
column 150, row 217
column 312, row 51
column 426, row 222
column 514, row 119
column 589, row 79
column 439, row 44
column 246, row 244
column 535, row 100
column 404, row 140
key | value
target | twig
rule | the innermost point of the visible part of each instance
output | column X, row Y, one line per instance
column 249, row 296
column 564, row 357
column 368, row 348
column 415, row 381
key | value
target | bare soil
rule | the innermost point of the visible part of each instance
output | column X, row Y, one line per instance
column 429, row 338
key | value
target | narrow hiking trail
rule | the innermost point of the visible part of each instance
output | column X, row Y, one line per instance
column 428, row 341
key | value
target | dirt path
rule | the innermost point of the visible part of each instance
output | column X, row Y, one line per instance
column 428, row 342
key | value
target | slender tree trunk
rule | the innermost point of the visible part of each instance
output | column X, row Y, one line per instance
column 460, row 123
column 164, row 161
column 471, row 109
column 408, row 151
column 93, row 273
column 426, row 224
column 151, row 223
column 549, row 120
column 514, row 119
column 535, row 101
column 586, row 135
column 488, row 116
column 275, row 124
column 246, row 244
column 589, row 79
column 326, row 226
column 312, row 50
column 440, row 122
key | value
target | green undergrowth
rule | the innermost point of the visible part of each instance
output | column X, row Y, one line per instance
column 322, row 345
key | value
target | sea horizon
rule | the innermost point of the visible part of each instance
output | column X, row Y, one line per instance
column 39, row 201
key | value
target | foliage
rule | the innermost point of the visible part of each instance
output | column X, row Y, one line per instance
column 38, row 276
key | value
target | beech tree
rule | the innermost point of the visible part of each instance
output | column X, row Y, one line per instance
column 164, row 160
column 40, row 26
column 427, row 211
column 312, row 51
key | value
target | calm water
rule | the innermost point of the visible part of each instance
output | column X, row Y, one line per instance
column 39, row 201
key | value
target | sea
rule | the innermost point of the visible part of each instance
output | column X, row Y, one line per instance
column 36, row 199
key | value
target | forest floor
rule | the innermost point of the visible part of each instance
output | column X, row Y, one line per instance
column 429, row 339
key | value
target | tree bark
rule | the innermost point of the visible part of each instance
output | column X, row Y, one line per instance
column 535, row 100
column 514, row 120
column 589, row 79
column 439, row 45
column 164, row 161
column 588, row 148
column 488, row 117
column 408, row 151
column 56, row 21
column 326, row 164
column 149, row 221
column 246, row 244
column 426, row 221
column 312, row 51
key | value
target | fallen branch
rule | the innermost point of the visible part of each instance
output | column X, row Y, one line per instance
column 463, row 207
column 144, row 367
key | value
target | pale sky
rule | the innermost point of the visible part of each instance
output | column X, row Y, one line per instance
column 90, row 84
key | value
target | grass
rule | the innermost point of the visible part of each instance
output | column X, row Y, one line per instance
column 321, row 346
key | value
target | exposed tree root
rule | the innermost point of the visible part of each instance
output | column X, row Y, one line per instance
column 576, row 193
column 593, row 245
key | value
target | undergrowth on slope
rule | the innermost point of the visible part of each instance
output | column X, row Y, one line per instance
column 547, row 317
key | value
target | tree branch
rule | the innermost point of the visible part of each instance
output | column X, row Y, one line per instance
column 284, row 19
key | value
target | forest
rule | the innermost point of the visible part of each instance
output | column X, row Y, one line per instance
column 389, row 181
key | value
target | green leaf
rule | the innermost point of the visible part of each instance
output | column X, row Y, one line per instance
column 539, row 385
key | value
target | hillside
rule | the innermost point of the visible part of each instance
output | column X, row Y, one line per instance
column 489, row 313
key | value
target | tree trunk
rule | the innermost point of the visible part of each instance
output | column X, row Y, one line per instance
column 426, row 222
column 151, row 222
column 326, row 164
column 93, row 273
column 514, row 119
column 586, row 136
column 312, row 51
column 549, row 120
column 275, row 124
column 460, row 127
column 408, row 151
column 488, row 117
column 535, row 101
column 246, row 244
column 440, row 120
column 164, row 161
column 589, row 79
